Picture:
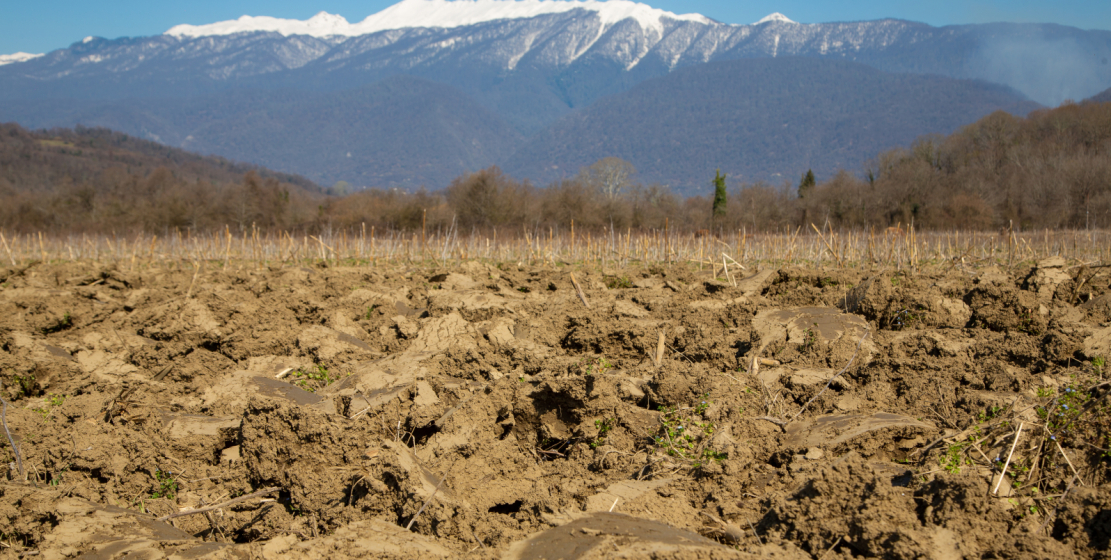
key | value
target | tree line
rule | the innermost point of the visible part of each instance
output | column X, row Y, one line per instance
column 1051, row 169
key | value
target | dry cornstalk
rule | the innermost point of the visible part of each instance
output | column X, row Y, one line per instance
column 1007, row 463
column 579, row 290
column 8, row 247
column 189, row 293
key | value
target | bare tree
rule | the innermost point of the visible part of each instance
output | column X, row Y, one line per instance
column 610, row 176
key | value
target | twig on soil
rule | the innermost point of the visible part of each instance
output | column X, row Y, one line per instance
column 1081, row 480
column 477, row 541
column 1060, row 504
column 353, row 487
column 615, row 500
column 660, row 350
column 228, row 503
column 649, row 464
column 680, row 353
column 11, row 441
column 1003, row 473
column 753, row 527
column 426, row 502
column 826, row 553
column 579, row 291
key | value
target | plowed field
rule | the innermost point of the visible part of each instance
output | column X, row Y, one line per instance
column 489, row 411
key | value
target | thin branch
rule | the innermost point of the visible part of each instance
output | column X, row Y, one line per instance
column 11, row 441
column 579, row 290
column 426, row 502
column 1007, row 463
column 228, row 503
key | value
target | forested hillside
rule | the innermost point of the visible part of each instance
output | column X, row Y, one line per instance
column 759, row 120
column 1051, row 169
column 97, row 180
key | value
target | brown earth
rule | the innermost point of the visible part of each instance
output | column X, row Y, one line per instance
column 493, row 412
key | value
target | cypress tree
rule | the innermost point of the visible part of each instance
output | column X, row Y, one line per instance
column 807, row 183
column 720, row 197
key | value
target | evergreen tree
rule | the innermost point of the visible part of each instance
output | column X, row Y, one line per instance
column 720, row 199
column 807, row 184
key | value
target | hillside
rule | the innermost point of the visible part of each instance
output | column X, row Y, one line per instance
column 1102, row 97
column 758, row 119
column 40, row 160
column 402, row 131
column 94, row 179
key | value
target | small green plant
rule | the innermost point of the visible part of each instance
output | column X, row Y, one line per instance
column 810, row 339
column 955, row 457
column 370, row 310
column 57, row 478
column 167, row 485
column 895, row 281
column 604, row 426
column 594, row 366
column 1098, row 363
column 26, row 384
column 619, row 283
column 988, row 414
column 49, row 404
column 683, row 434
column 1027, row 323
column 1044, row 392
column 1063, row 411
column 311, row 380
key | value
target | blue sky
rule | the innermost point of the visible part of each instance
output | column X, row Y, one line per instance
column 44, row 25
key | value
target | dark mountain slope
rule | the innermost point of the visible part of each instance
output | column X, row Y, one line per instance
column 41, row 160
column 1102, row 97
column 401, row 131
column 759, row 119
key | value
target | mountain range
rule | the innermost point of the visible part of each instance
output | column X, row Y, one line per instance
column 429, row 89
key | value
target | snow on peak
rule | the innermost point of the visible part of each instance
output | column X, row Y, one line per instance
column 17, row 57
column 88, row 39
column 438, row 13
column 774, row 18
column 322, row 24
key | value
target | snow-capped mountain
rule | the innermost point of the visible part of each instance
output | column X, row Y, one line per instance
column 528, row 62
column 439, row 13
column 17, row 57
column 558, row 38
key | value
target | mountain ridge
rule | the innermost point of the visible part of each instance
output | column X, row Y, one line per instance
column 522, row 74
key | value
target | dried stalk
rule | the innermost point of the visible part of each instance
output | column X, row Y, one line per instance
column 228, row 503
column 1007, row 463
column 11, row 441
column 579, row 291
column 426, row 502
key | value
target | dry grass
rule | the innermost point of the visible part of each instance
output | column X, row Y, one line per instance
column 727, row 256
